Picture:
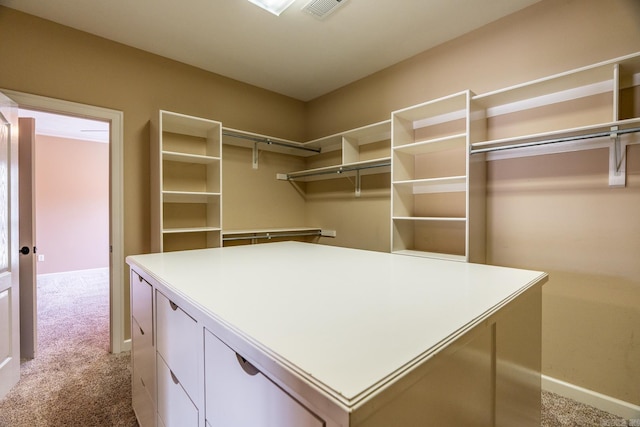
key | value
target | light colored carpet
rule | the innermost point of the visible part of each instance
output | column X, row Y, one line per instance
column 74, row 381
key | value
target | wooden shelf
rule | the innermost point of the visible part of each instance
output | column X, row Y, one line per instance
column 447, row 108
column 434, row 185
column 189, row 158
column 186, row 180
column 428, row 218
column 556, row 88
column 432, row 145
column 431, row 197
column 190, row 230
column 189, row 197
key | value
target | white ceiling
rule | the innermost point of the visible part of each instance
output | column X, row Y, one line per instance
column 294, row 54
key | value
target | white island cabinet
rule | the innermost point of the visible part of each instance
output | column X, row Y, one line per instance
column 303, row 335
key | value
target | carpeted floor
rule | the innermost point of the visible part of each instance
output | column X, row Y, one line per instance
column 74, row 381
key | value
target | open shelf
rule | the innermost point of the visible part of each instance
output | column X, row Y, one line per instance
column 186, row 182
column 443, row 238
column 431, row 201
column 447, row 184
column 189, row 158
column 361, row 151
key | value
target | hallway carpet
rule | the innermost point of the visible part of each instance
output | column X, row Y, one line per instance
column 74, row 381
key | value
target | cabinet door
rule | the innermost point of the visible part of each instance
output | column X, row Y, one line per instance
column 237, row 394
column 179, row 340
column 143, row 356
column 142, row 302
column 143, row 407
column 175, row 408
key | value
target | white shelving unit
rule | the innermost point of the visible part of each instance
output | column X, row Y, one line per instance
column 438, row 192
column 186, row 183
column 590, row 107
column 354, row 153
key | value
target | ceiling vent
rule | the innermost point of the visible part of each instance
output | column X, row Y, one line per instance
column 322, row 8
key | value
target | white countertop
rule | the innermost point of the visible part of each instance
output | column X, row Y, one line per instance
column 347, row 318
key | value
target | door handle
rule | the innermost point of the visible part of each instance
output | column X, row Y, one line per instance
column 24, row 250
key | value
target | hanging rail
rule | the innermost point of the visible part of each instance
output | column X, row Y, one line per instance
column 337, row 170
column 274, row 235
column 611, row 133
column 270, row 141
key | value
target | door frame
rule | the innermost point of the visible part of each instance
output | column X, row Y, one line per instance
column 116, row 215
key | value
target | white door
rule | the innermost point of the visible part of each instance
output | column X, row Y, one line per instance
column 9, row 299
column 28, row 288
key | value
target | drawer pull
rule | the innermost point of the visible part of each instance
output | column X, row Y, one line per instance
column 246, row 366
column 139, row 277
column 141, row 331
column 173, row 305
column 173, row 377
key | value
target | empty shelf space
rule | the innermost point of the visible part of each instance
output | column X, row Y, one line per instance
column 569, row 85
column 431, row 145
column 445, row 108
column 433, row 185
column 188, row 158
column 191, row 239
column 189, row 197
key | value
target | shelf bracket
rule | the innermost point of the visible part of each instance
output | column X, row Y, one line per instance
column 358, row 183
column 617, row 160
column 255, row 156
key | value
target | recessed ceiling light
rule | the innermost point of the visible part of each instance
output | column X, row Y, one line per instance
column 274, row 6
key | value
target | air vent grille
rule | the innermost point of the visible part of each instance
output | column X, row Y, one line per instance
column 322, row 8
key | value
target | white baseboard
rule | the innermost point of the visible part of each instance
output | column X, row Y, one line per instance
column 603, row 402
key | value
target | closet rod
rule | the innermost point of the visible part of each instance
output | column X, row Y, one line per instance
column 341, row 169
column 274, row 236
column 556, row 140
column 270, row 141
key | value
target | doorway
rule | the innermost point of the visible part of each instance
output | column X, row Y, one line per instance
column 69, row 170
column 118, row 341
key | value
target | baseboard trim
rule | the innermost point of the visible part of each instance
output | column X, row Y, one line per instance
column 126, row 345
column 601, row 401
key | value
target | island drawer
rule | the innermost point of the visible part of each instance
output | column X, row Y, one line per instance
column 142, row 302
column 179, row 339
column 175, row 407
column 238, row 394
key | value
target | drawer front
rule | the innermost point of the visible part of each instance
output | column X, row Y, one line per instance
column 143, row 358
column 238, row 395
column 142, row 302
column 179, row 340
column 175, row 408
column 142, row 404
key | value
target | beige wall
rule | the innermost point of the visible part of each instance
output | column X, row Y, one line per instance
column 43, row 58
column 553, row 213
column 590, row 319
column 72, row 204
